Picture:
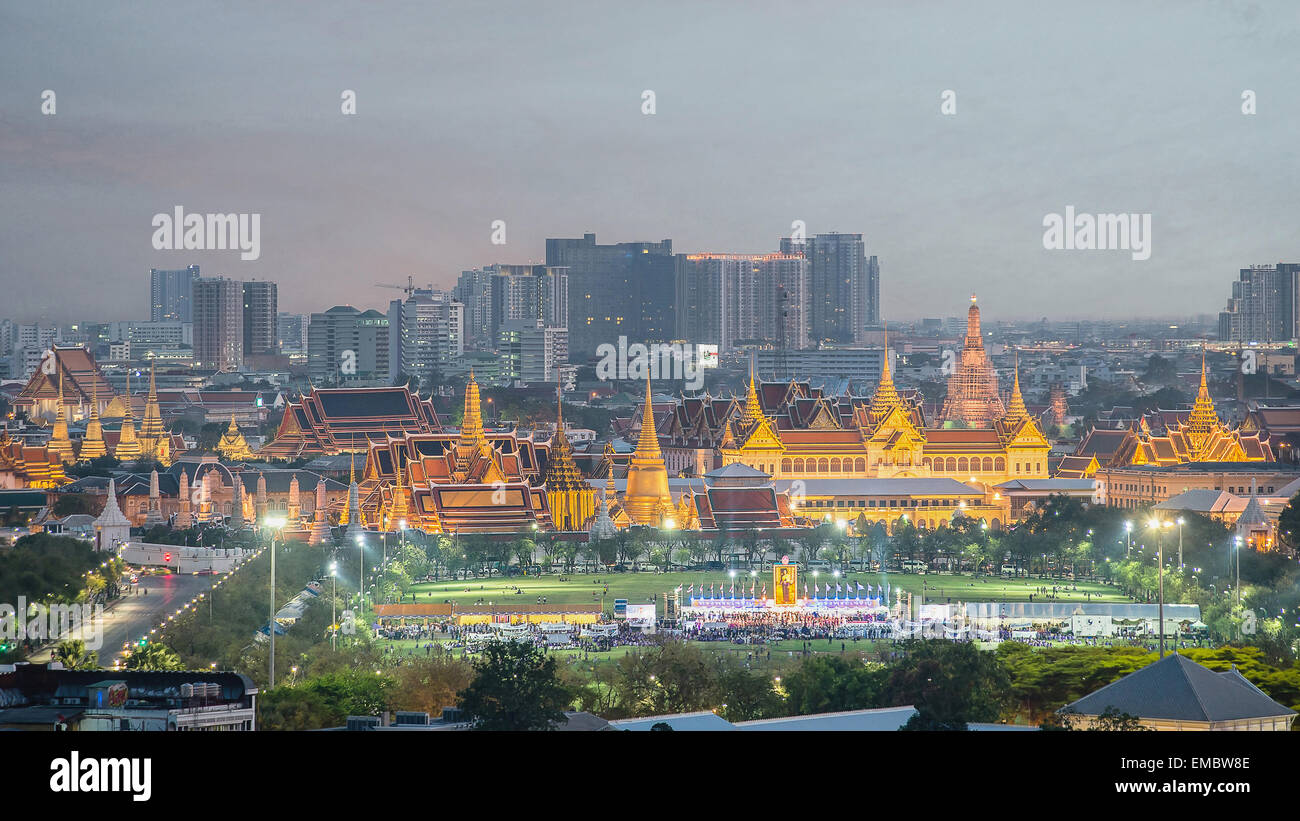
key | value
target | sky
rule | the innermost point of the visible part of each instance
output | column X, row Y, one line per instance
column 765, row 113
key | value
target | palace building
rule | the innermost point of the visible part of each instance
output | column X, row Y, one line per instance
column 1170, row 438
column 459, row 482
column 329, row 421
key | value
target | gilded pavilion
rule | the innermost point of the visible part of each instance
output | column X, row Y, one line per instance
column 1167, row 438
column 233, row 447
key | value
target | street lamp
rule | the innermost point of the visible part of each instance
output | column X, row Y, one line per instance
column 1180, row 544
column 1128, row 531
column 275, row 523
column 361, row 579
column 1159, row 527
column 334, row 606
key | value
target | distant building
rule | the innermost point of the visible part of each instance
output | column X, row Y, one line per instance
column 530, row 351
column 624, row 289
column 346, row 345
column 428, row 332
column 1263, row 305
column 843, row 286
column 171, row 294
column 732, row 299
column 260, row 311
column 218, row 323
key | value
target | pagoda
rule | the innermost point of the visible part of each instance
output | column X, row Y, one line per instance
column 646, row 497
column 155, row 442
column 572, row 501
column 92, row 444
column 973, row 399
column 128, row 447
column 59, row 442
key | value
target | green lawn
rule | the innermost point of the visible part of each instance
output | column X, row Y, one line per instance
column 640, row 588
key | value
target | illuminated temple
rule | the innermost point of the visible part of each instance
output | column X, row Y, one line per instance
column 329, row 421
column 457, row 482
column 972, row 398
column 1167, row 438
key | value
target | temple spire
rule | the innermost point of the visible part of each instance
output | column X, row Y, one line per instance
column 1016, row 410
column 647, row 444
column 886, row 395
column 92, row 445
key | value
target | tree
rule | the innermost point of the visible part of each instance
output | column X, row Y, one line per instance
column 827, row 684
column 515, row 687
column 950, row 683
column 73, row 656
column 154, row 657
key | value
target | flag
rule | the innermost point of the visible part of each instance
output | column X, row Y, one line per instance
column 859, row 587
column 805, row 590
column 817, row 589
column 765, row 590
column 837, row 590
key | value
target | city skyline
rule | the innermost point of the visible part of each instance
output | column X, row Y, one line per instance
column 448, row 138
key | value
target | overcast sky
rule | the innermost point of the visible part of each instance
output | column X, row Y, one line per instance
column 766, row 113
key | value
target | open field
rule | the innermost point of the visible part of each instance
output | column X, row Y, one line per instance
column 640, row 588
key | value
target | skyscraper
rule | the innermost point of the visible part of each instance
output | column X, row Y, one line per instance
column 843, row 286
column 218, row 323
column 1263, row 306
column 728, row 299
column 498, row 293
column 625, row 289
column 171, row 294
column 260, row 309
column 429, row 334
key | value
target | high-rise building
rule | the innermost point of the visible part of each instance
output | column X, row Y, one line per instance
column 171, row 294
column 530, row 351
column 625, row 289
column 1264, row 306
column 733, row 299
column 218, row 323
column 498, row 293
column 348, row 346
column 430, row 335
column 260, row 309
column 291, row 335
column 843, row 286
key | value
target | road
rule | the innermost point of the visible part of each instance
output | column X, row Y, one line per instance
column 135, row 614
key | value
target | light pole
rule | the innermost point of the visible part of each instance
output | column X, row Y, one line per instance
column 1180, row 544
column 1237, row 550
column 334, row 606
column 274, row 522
column 1128, row 531
column 361, row 579
column 1160, row 564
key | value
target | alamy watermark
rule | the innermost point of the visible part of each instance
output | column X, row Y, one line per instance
column 1098, row 232
column 659, row 360
column 61, row 622
column 208, row 232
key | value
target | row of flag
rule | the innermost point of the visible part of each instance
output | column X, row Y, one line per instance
column 845, row 591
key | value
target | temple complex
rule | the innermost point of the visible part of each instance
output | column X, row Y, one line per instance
column 1167, row 438
column 466, row 481
column 330, row 421
column 973, row 399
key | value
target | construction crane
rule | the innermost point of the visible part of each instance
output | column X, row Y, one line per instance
column 409, row 287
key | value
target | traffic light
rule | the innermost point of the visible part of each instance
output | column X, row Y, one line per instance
column 167, row 557
column 142, row 642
